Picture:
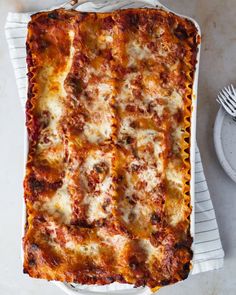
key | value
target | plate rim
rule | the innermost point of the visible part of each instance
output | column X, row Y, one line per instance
column 219, row 147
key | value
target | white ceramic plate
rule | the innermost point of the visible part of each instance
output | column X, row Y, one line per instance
column 225, row 142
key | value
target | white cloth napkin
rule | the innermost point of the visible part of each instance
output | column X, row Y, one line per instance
column 208, row 251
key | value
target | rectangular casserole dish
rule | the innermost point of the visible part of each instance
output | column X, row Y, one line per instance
column 192, row 143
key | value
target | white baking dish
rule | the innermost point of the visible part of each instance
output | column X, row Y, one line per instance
column 116, row 288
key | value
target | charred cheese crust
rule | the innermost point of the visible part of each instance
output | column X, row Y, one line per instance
column 107, row 185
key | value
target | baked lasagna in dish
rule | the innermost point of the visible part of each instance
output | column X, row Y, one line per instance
column 107, row 185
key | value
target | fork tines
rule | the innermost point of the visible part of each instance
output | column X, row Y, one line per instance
column 227, row 98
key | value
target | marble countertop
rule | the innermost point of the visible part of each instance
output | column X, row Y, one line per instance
column 218, row 67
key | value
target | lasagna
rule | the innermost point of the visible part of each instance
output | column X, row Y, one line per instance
column 107, row 184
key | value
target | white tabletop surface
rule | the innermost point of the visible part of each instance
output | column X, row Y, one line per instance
column 218, row 68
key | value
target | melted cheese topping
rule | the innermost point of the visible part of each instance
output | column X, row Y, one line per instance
column 95, row 202
column 97, row 133
column 174, row 175
column 106, row 185
column 60, row 205
column 87, row 249
column 99, row 127
column 150, row 250
column 103, row 188
column 175, row 102
column 136, row 52
column 96, row 157
column 50, row 101
column 150, row 177
column 95, row 210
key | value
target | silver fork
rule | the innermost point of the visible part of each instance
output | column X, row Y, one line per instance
column 227, row 98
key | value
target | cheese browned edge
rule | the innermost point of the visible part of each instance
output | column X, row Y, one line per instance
column 107, row 185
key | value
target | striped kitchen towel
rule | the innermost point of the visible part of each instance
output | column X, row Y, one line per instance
column 208, row 252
